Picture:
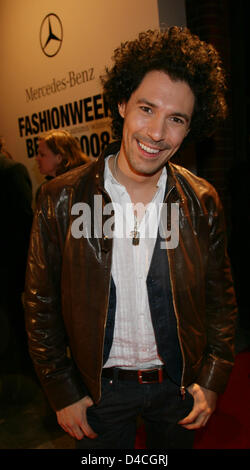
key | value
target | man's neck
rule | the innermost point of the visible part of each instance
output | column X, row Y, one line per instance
column 141, row 188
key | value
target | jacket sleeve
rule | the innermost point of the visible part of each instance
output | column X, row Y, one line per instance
column 221, row 308
column 44, row 321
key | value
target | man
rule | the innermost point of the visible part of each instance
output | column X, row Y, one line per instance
column 149, row 324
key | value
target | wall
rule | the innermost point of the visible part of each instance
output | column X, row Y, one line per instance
column 224, row 158
column 172, row 12
column 210, row 19
column 40, row 91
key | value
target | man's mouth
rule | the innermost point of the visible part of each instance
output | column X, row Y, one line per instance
column 152, row 151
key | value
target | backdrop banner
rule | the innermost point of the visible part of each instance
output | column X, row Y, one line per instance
column 53, row 54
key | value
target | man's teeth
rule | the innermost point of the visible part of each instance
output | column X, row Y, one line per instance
column 148, row 149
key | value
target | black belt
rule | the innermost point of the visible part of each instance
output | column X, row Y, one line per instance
column 145, row 376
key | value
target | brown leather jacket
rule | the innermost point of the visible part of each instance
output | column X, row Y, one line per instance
column 68, row 284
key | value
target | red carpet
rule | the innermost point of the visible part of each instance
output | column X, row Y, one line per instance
column 229, row 426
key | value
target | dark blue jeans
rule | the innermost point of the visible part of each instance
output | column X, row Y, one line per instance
column 161, row 406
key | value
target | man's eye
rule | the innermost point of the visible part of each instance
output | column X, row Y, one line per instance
column 146, row 109
column 178, row 120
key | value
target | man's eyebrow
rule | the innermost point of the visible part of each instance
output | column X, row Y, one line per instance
column 145, row 101
column 175, row 113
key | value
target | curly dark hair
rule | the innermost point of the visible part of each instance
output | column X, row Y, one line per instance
column 183, row 56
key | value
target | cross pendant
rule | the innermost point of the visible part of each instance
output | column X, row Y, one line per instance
column 135, row 234
column 136, row 237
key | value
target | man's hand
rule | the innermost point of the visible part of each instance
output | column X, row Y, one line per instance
column 204, row 406
column 73, row 419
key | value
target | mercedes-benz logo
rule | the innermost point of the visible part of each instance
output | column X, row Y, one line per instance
column 51, row 35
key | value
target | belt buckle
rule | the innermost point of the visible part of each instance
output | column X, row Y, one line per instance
column 160, row 376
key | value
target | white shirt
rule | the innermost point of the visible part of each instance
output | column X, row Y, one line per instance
column 134, row 343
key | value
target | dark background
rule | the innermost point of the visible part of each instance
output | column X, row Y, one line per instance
column 224, row 158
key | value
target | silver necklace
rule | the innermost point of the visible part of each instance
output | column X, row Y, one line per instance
column 135, row 234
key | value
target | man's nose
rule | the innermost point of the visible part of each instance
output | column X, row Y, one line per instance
column 157, row 128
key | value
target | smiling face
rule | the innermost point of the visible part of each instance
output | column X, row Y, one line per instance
column 156, row 120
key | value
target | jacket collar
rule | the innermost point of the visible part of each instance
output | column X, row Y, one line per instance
column 99, row 165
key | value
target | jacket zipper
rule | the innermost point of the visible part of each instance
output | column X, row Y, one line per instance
column 106, row 314
column 182, row 387
column 104, row 328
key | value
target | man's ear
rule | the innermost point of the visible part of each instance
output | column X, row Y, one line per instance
column 122, row 109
